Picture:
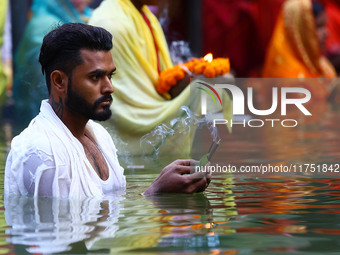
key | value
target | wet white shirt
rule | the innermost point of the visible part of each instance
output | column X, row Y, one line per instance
column 47, row 160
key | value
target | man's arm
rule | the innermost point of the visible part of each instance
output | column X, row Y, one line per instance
column 39, row 171
column 176, row 178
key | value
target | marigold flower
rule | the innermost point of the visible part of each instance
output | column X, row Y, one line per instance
column 169, row 77
column 209, row 72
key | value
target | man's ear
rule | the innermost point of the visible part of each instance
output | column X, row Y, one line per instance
column 59, row 81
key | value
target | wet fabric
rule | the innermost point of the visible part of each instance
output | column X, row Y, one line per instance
column 29, row 86
column 137, row 107
column 47, row 160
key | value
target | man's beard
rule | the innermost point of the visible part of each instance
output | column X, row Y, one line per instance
column 78, row 104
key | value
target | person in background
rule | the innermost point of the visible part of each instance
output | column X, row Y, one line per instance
column 333, row 26
column 296, row 47
column 141, row 53
column 63, row 152
column 242, row 29
column 6, row 70
column 29, row 85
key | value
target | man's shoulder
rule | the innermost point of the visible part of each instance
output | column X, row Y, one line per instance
column 31, row 139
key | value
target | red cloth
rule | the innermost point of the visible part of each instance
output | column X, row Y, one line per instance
column 154, row 40
column 333, row 25
column 240, row 30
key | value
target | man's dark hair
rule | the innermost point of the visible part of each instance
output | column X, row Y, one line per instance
column 61, row 47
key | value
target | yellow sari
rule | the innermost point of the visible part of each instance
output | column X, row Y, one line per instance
column 137, row 107
column 294, row 50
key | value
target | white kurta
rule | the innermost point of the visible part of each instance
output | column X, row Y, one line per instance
column 47, row 160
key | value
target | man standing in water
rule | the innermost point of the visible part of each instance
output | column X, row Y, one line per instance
column 63, row 152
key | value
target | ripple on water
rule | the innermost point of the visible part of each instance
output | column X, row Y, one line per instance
column 238, row 214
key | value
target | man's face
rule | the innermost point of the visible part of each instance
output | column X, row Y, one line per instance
column 89, row 87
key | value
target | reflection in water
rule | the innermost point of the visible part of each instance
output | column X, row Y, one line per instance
column 237, row 215
column 49, row 225
column 160, row 223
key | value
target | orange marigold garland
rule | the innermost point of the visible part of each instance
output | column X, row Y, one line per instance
column 169, row 77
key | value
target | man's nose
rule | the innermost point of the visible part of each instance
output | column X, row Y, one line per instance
column 107, row 87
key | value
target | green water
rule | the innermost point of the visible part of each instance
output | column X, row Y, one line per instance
column 238, row 214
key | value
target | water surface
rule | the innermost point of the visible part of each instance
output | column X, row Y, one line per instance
column 238, row 214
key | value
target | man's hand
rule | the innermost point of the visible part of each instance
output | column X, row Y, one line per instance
column 176, row 178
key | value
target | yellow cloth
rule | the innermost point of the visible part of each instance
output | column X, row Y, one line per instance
column 294, row 50
column 137, row 107
column 3, row 80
